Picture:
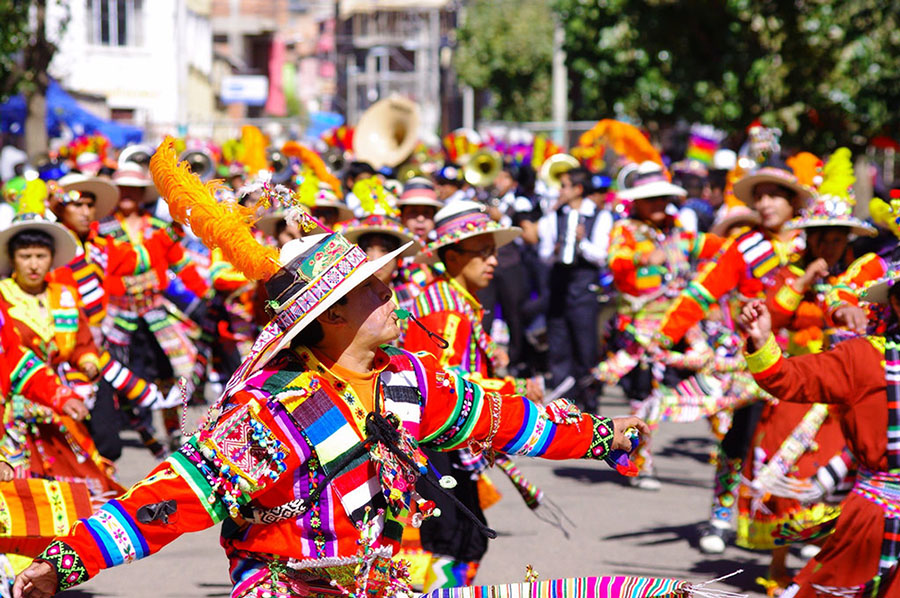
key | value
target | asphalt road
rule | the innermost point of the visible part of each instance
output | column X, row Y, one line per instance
column 617, row 530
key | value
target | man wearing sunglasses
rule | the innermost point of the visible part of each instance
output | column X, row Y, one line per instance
column 466, row 244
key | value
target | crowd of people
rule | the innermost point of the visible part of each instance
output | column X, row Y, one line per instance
column 373, row 348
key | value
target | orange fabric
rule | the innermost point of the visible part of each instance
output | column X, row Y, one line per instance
column 851, row 377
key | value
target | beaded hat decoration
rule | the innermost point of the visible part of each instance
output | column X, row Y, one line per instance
column 309, row 275
column 833, row 204
column 461, row 220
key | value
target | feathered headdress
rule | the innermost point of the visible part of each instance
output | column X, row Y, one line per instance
column 226, row 226
column 833, row 204
column 624, row 139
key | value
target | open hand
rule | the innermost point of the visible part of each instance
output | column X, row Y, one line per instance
column 757, row 322
column 534, row 389
column 37, row 581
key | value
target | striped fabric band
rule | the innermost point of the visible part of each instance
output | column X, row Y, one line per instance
column 579, row 587
column 892, row 379
column 759, row 254
column 27, row 366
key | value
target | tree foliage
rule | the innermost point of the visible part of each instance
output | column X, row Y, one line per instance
column 505, row 47
column 14, row 37
column 825, row 71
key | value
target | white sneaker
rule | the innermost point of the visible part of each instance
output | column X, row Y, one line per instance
column 649, row 483
column 712, row 538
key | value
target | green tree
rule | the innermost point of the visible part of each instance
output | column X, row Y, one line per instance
column 827, row 72
column 505, row 48
column 25, row 55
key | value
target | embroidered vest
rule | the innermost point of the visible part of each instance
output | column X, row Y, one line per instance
column 320, row 425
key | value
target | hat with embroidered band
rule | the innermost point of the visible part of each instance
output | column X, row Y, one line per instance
column 132, row 174
column 833, row 204
column 743, row 189
column 307, row 277
column 461, row 220
column 419, row 191
column 64, row 245
column 380, row 224
column 105, row 193
column 650, row 181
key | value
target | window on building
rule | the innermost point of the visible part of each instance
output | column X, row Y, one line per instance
column 115, row 22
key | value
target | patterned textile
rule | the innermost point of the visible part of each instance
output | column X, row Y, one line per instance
column 580, row 587
column 33, row 511
column 70, row 569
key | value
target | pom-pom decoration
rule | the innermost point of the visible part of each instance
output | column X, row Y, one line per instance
column 838, row 177
column 226, row 226
column 372, row 196
column 807, row 168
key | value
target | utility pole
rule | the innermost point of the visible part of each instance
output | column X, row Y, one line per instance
column 559, row 85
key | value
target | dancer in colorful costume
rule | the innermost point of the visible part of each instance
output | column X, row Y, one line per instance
column 466, row 246
column 41, row 443
column 51, row 323
column 98, row 270
column 142, row 332
column 651, row 258
column 747, row 264
column 417, row 204
column 316, row 439
column 795, row 440
column 860, row 559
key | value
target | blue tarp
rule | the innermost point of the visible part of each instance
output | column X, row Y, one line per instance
column 64, row 112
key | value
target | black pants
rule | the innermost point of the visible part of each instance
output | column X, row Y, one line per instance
column 572, row 331
column 736, row 443
column 509, row 289
column 106, row 422
column 453, row 534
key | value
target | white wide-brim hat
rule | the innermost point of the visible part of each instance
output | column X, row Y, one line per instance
column 132, row 174
column 649, row 181
column 105, row 192
column 743, row 189
column 319, row 270
column 65, row 245
column 462, row 220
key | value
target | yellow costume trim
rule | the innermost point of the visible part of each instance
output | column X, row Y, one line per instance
column 765, row 357
column 788, row 298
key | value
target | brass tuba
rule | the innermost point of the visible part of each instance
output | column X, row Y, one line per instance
column 201, row 163
column 137, row 153
column 387, row 132
column 280, row 166
column 553, row 168
column 482, row 167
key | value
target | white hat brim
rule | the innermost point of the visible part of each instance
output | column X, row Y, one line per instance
column 743, row 189
column 105, row 192
column 420, row 201
column 356, row 278
column 502, row 236
column 651, row 190
column 66, row 247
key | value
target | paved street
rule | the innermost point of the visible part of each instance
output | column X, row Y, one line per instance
column 618, row 530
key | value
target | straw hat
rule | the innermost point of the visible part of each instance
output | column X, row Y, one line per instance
column 743, row 189
column 461, row 220
column 65, row 246
column 650, row 181
column 105, row 192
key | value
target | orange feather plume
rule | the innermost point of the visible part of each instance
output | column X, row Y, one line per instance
column 313, row 161
column 807, row 168
column 225, row 226
column 626, row 140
